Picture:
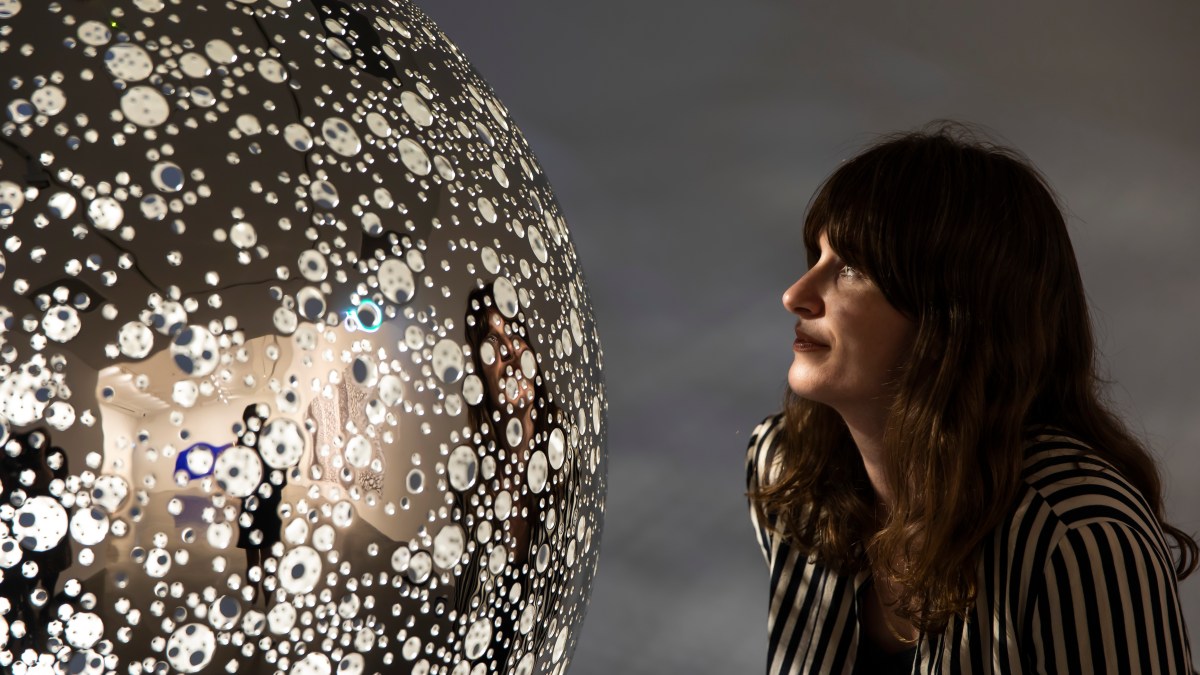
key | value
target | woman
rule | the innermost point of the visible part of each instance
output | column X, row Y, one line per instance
column 516, row 418
column 945, row 489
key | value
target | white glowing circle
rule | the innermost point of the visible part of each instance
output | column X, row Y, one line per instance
column 191, row 647
column 419, row 567
column 312, row 266
column 40, row 524
column 62, row 204
column 59, row 415
column 219, row 535
column 281, row 618
column 556, row 448
column 401, row 558
column 243, row 235
column 396, row 280
column 490, row 260
column 528, row 364
column 105, row 213
column 10, row 553
column 94, row 33
column 487, row 353
column 538, row 472
column 282, row 443
column 199, row 460
column 353, row 664
column 135, row 339
column 298, row 137
column 129, row 62
column 503, row 504
column 537, row 243
column 477, row 639
column 238, row 471
column 324, row 194
column 364, row 371
column 194, row 66
column 414, row 157
column 220, row 51
column 158, row 563
column 299, row 570
column 448, row 546
column 473, row 389
column 61, row 323
column 20, row 110
column 84, row 630
column 447, row 360
column 203, row 96
column 505, row 295
column 167, row 177
column 224, row 612
column 145, row 106
column 341, row 137
column 443, row 166
column 324, row 537
column 185, row 393
column 195, row 351
column 358, row 452
column 49, row 100
column 272, row 71
column 313, row 664
column 311, row 302
column 462, row 467
column 89, row 526
column 378, row 125
column 416, row 108
column 109, row 492
column 391, row 389
column 486, row 209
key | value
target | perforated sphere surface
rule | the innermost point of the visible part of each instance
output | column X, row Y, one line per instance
column 298, row 370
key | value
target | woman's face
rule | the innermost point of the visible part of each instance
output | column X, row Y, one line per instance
column 508, row 365
column 848, row 338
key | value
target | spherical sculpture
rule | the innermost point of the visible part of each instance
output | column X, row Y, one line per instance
column 298, row 371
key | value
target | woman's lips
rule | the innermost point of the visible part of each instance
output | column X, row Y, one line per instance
column 802, row 345
column 805, row 342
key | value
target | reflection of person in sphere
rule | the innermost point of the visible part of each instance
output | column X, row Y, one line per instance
column 946, row 489
column 259, row 524
column 514, row 418
column 29, row 464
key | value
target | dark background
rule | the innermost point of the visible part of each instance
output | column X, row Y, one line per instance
column 684, row 140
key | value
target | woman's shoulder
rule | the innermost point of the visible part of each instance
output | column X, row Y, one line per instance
column 762, row 451
column 1067, row 484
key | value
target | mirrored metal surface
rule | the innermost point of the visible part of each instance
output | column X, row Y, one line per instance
column 298, row 371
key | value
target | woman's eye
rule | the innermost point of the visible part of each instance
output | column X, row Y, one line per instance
column 848, row 272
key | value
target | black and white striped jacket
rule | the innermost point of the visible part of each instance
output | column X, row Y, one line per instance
column 1077, row 579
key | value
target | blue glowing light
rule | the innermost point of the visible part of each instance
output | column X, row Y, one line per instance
column 367, row 317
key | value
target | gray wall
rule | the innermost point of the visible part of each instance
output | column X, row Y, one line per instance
column 684, row 139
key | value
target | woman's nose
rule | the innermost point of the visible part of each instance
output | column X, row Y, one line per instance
column 508, row 347
column 802, row 299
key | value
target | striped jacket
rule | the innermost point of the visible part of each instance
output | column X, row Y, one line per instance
column 1077, row 579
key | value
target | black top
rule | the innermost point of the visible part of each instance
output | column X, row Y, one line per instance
column 873, row 660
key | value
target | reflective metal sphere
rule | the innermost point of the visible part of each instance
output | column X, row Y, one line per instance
column 298, row 371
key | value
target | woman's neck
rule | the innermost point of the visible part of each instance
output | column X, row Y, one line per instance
column 866, row 429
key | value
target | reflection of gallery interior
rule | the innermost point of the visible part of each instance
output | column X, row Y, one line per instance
column 299, row 371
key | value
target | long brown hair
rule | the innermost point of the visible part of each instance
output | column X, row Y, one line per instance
column 966, row 239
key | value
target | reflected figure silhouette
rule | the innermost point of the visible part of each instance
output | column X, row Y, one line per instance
column 38, row 546
column 259, row 524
